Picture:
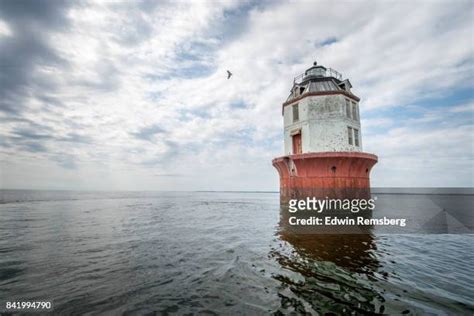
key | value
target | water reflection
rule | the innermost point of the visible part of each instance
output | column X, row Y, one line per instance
column 326, row 273
column 356, row 253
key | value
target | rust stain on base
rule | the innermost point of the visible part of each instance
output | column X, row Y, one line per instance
column 341, row 175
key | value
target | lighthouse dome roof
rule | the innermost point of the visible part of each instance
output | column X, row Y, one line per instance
column 319, row 79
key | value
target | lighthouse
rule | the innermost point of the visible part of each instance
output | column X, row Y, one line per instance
column 323, row 155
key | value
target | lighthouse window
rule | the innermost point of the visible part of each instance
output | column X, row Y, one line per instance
column 348, row 108
column 354, row 111
column 349, row 134
column 356, row 137
column 296, row 113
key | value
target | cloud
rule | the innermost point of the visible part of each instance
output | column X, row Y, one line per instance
column 328, row 41
column 27, row 48
column 467, row 107
column 119, row 92
column 148, row 132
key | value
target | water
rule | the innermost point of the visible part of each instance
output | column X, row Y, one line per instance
column 215, row 253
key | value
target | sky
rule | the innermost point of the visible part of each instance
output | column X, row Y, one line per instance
column 133, row 95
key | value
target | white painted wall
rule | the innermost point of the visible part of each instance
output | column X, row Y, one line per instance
column 323, row 123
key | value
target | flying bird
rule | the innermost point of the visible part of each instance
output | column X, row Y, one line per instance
column 229, row 74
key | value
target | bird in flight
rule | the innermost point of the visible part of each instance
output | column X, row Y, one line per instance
column 229, row 74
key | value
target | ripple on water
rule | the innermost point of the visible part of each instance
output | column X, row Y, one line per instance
column 219, row 254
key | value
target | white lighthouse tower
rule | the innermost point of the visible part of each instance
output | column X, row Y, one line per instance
column 321, row 114
column 322, row 136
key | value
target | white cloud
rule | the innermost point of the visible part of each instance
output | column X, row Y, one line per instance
column 467, row 107
column 4, row 29
column 128, row 68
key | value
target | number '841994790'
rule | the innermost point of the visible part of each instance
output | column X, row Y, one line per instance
column 28, row 305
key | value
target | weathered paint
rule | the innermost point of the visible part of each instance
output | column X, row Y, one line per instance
column 323, row 123
column 328, row 174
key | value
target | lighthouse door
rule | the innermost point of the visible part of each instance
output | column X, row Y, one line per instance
column 297, row 144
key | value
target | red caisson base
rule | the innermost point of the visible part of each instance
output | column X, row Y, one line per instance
column 333, row 175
